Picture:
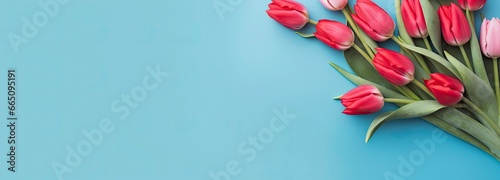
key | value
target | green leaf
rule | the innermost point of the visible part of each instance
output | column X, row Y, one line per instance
column 472, row 127
column 402, row 30
column 477, row 57
column 446, row 67
column 433, row 24
column 358, row 81
column 488, row 64
column 456, row 52
column 476, row 134
column 478, row 91
column 412, row 110
column 436, row 121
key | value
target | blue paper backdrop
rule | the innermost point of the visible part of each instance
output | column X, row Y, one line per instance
column 163, row 89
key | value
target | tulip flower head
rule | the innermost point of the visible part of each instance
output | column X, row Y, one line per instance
column 334, row 34
column 490, row 38
column 454, row 25
column 393, row 66
column 447, row 90
column 334, row 5
column 413, row 18
column 373, row 20
column 471, row 5
column 364, row 99
column 288, row 13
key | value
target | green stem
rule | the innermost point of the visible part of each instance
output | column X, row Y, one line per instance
column 423, row 87
column 356, row 31
column 403, row 92
column 398, row 101
column 422, row 63
column 304, row 35
column 483, row 115
column 470, row 17
column 497, row 83
column 427, row 44
column 466, row 57
column 411, row 93
column 395, row 39
column 460, row 106
column 363, row 53
column 313, row 21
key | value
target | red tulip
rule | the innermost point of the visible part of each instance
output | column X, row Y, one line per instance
column 490, row 38
column 334, row 5
column 288, row 13
column 334, row 34
column 447, row 90
column 373, row 20
column 413, row 18
column 393, row 66
column 364, row 99
column 471, row 5
column 454, row 25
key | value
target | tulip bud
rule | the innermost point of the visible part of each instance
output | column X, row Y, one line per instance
column 413, row 18
column 288, row 13
column 393, row 66
column 373, row 20
column 490, row 38
column 334, row 5
column 454, row 25
column 364, row 99
column 447, row 90
column 334, row 34
column 471, row 5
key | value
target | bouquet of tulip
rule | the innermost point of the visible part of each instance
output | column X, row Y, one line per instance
column 452, row 84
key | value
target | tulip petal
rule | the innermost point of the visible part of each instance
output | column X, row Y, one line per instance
column 492, row 45
column 373, row 20
column 290, row 5
column 290, row 19
column 446, row 96
column 447, row 81
column 471, row 5
column 483, row 37
column 394, row 67
column 413, row 18
column 335, row 34
column 360, row 91
column 460, row 26
column 334, row 5
column 445, row 17
column 447, row 90
column 366, row 105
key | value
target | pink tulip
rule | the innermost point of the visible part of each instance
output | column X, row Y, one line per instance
column 471, row 5
column 447, row 90
column 490, row 38
column 454, row 25
column 413, row 18
column 393, row 66
column 373, row 20
column 334, row 34
column 288, row 13
column 334, row 5
column 364, row 99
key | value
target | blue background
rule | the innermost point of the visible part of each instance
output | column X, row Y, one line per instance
column 227, row 73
